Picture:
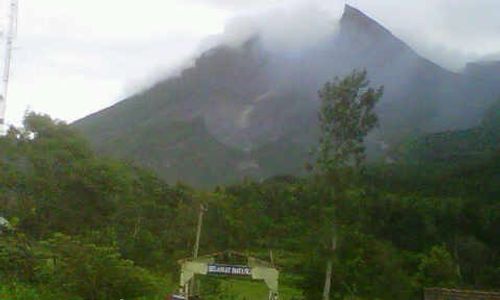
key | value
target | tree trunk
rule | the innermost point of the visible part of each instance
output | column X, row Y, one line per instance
column 329, row 267
column 194, row 285
column 328, row 280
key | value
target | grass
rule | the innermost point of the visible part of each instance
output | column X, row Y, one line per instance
column 240, row 289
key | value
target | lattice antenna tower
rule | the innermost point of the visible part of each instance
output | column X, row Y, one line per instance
column 9, row 36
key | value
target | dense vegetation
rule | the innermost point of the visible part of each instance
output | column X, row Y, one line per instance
column 89, row 227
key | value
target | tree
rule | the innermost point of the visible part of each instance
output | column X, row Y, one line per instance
column 346, row 117
column 94, row 272
column 437, row 269
column 16, row 258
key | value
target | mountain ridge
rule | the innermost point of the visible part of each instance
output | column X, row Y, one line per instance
column 255, row 105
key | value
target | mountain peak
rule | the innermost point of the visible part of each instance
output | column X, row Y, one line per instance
column 352, row 11
column 355, row 19
column 236, row 110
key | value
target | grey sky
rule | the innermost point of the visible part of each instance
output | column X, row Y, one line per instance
column 75, row 57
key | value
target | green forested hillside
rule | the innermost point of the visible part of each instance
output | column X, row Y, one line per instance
column 87, row 227
column 467, row 146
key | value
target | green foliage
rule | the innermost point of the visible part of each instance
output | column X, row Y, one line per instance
column 21, row 291
column 234, row 289
column 16, row 258
column 88, row 227
column 94, row 272
column 363, row 267
column 452, row 148
column 346, row 116
column 437, row 268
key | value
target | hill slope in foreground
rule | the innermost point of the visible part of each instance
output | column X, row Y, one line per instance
column 247, row 111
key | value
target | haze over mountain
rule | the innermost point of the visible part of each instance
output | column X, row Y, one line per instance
column 251, row 110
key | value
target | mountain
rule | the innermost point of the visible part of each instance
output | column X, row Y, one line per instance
column 459, row 147
column 252, row 111
column 486, row 73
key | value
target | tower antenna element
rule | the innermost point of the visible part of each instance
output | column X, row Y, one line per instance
column 10, row 35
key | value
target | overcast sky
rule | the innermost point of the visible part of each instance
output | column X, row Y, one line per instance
column 74, row 57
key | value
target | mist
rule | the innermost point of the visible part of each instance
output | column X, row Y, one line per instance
column 108, row 54
column 253, row 87
column 299, row 45
column 448, row 33
column 283, row 28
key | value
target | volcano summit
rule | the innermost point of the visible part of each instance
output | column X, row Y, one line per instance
column 246, row 110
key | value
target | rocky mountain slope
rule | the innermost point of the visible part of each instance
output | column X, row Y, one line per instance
column 249, row 111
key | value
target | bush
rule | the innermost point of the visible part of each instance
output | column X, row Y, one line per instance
column 16, row 258
column 95, row 272
column 437, row 269
column 22, row 291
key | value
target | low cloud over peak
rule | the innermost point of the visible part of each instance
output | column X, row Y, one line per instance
column 450, row 33
column 284, row 28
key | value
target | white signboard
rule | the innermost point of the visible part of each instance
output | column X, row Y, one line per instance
column 231, row 270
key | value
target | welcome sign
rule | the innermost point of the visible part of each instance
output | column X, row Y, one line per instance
column 231, row 270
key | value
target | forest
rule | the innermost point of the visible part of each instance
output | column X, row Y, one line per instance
column 86, row 226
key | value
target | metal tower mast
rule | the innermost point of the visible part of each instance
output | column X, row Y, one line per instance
column 9, row 41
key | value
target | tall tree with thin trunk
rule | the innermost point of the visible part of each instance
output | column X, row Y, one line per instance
column 346, row 117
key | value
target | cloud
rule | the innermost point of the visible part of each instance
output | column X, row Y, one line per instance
column 285, row 27
column 282, row 25
column 448, row 32
column 72, row 60
column 75, row 58
column 240, row 4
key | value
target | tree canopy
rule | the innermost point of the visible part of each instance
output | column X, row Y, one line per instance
column 86, row 226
